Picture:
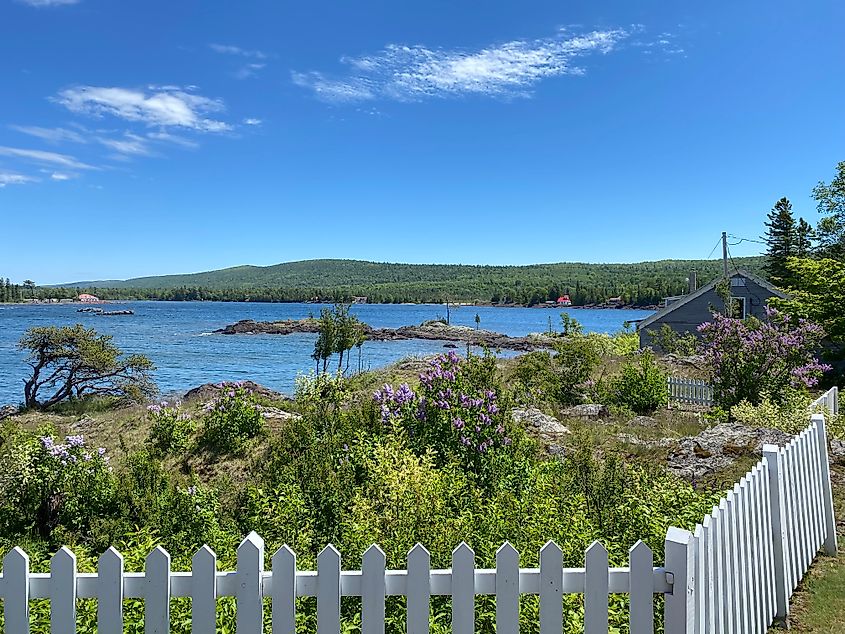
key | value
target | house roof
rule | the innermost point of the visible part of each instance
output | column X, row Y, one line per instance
column 686, row 299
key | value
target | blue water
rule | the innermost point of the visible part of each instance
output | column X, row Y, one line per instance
column 178, row 337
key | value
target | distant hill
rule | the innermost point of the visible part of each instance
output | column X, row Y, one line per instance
column 639, row 283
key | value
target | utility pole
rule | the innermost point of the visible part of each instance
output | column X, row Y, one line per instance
column 725, row 253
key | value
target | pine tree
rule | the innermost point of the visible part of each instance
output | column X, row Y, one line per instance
column 780, row 238
column 804, row 236
column 830, row 199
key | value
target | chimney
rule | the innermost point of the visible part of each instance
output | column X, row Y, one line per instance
column 693, row 282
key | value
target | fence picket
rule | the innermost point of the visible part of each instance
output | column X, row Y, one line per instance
column 830, row 545
column 110, row 593
column 551, row 589
column 595, row 590
column 328, row 591
column 284, row 591
column 16, row 591
column 372, row 591
column 507, row 590
column 700, row 575
column 679, row 613
column 157, row 592
column 63, row 592
column 419, row 590
column 640, row 587
column 463, row 590
column 204, row 590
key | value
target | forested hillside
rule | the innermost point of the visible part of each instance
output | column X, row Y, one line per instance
column 640, row 283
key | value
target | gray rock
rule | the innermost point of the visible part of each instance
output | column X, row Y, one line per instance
column 643, row 421
column 273, row 413
column 588, row 410
column 532, row 417
column 643, row 442
column 718, row 447
column 7, row 410
column 837, row 450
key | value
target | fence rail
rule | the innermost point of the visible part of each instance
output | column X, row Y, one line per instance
column 690, row 391
column 829, row 401
column 734, row 573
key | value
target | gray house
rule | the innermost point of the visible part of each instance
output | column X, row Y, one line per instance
column 685, row 313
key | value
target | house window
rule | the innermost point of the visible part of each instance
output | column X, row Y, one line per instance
column 738, row 310
column 737, row 281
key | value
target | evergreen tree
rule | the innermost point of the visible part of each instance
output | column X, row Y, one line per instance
column 780, row 239
column 804, row 236
column 830, row 199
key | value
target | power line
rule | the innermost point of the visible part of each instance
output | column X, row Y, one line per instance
column 741, row 240
column 716, row 246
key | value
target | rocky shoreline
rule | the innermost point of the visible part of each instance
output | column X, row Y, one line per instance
column 430, row 330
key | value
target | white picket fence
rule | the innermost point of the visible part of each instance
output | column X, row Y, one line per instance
column 829, row 401
column 690, row 391
column 735, row 573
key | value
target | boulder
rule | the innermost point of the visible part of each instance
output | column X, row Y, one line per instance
column 209, row 391
column 718, row 447
column 588, row 410
column 274, row 413
column 630, row 439
column 643, row 421
column 542, row 423
column 7, row 410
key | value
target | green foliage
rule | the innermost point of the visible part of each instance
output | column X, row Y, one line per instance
column 643, row 283
column 48, row 485
column 231, row 419
column 640, row 386
column 74, row 362
column 830, row 199
column 172, row 430
column 781, row 238
column 790, row 413
column 560, row 377
column 338, row 332
column 671, row 342
column 569, row 325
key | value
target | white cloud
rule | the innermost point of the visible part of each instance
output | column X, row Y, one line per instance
column 11, row 178
column 166, row 106
column 52, row 135
column 412, row 72
column 62, row 176
column 172, row 138
column 130, row 144
column 251, row 121
column 249, row 70
column 237, row 50
column 48, row 3
column 50, row 158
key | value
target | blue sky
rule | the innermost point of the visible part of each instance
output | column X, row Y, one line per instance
column 141, row 138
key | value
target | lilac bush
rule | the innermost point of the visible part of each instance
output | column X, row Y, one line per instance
column 455, row 412
column 748, row 358
column 231, row 418
column 172, row 429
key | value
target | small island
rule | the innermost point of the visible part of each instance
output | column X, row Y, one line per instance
column 430, row 330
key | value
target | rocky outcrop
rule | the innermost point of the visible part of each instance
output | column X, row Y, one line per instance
column 209, row 391
column 7, row 410
column 533, row 419
column 276, row 414
column 430, row 330
column 718, row 447
column 588, row 411
column 642, row 421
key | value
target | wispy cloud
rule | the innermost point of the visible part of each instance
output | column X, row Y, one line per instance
column 48, row 158
column 172, row 138
column 165, row 106
column 62, row 176
column 128, row 145
column 252, row 121
column 227, row 49
column 12, row 178
column 48, row 3
column 248, row 71
column 408, row 73
column 51, row 135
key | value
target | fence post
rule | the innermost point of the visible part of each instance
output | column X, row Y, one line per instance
column 774, row 476
column 680, row 563
column 830, row 545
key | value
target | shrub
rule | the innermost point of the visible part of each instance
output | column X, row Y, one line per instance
column 641, row 386
column 747, row 358
column 46, row 484
column 456, row 413
column 560, row 377
column 790, row 414
column 671, row 342
column 171, row 429
column 231, row 419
